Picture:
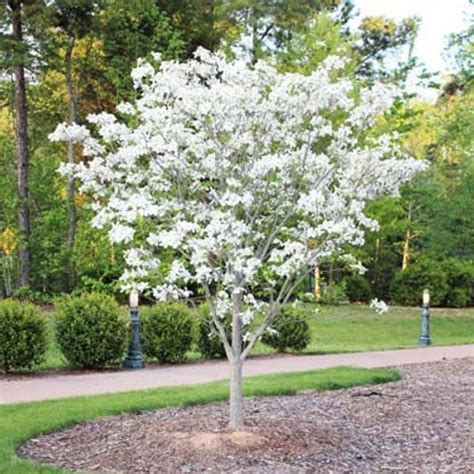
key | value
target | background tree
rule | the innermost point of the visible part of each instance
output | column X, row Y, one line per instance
column 18, row 59
column 460, row 50
column 381, row 37
column 267, row 26
column 129, row 31
column 73, row 20
column 205, row 23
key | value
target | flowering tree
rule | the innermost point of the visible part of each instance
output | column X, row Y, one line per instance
column 246, row 175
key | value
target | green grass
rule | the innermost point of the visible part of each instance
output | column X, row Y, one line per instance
column 54, row 358
column 23, row 421
column 353, row 328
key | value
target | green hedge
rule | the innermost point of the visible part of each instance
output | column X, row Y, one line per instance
column 358, row 289
column 460, row 274
column 450, row 282
column 167, row 332
column 288, row 331
column 23, row 335
column 91, row 330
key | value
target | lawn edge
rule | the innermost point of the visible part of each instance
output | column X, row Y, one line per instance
column 93, row 407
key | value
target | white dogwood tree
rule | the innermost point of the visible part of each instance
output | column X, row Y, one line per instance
column 245, row 174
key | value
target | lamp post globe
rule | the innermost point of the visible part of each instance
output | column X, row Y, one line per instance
column 134, row 359
column 425, row 339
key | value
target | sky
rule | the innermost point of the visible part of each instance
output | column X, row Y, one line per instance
column 438, row 19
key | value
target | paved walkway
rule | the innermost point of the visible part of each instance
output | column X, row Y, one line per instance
column 61, row 386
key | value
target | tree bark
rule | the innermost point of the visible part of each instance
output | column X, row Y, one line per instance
column 317, row 283
column 406, row 250
column 331, row 282
column 69, row 277
column 22, row 160
column 236, row 419
column 409, row 236
column 378, row 244
column 376, row 273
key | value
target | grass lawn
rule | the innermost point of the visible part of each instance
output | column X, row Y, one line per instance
column 21, row 422
column 353, row 328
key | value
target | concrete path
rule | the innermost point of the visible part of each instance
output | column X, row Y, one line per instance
column 60, row 386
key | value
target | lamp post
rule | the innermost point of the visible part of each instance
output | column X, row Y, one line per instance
column 134, row 359
column 425, row 339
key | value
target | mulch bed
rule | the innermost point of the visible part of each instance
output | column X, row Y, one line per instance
column 422, row 424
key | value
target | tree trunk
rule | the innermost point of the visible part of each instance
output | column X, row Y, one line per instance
column 210, row 18
column 406, row 242
column 236, row 394
column 406, row 250
column 236, row 419
column 317, row 283
column 22, row 163
column 378, row 244
column 331, row 283
column 375, row 277
column 69, row 277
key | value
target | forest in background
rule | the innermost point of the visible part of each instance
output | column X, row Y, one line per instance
column 61, row 60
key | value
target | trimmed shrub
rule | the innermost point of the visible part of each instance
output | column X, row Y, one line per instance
column 209, row 344
column 408, row 284
column 358, row 289
column 167, row 332
column 91, row 330
column 23, row 335
column 288, row 331
column 450, row 282
column 458, row 298
column 460, row 274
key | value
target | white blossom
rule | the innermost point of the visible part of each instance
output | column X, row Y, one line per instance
column 178, row 272
column 121, row 233
column 73, row 133
column 379, row 306
column 246, row 176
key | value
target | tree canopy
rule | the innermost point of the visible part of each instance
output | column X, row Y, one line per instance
column 78, row 57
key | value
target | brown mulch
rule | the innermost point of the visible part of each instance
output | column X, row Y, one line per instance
column 422, row 424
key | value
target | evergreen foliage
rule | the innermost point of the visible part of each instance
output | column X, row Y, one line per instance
column 91, row 330
column 358, row 289
column 167, row 332
column 23, row 335
column 289, row 331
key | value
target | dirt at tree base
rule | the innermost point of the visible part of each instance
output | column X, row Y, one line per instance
column 421, row 424
column 208, row 442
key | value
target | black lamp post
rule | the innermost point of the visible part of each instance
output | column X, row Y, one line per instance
column 425, row 339
column 134, row 359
